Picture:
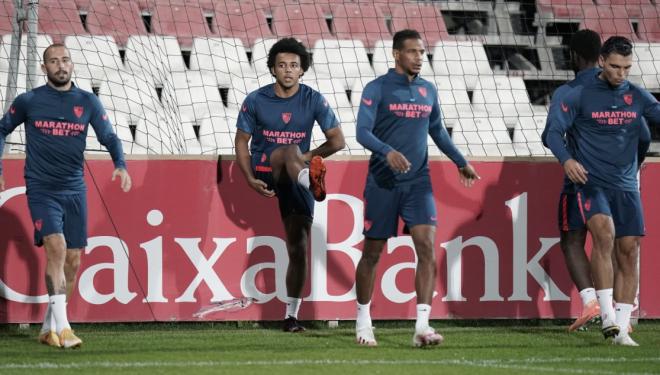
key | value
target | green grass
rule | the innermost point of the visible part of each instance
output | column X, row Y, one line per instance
column 476, row 347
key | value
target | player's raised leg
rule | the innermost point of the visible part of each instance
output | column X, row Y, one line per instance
column 601, row 228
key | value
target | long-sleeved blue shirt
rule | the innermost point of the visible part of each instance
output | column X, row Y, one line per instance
column 273, row 121
column 56, row 124
column 399, row 114
column 606, row 125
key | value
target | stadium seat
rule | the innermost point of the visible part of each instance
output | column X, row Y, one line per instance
column 649, row 26
column 6, row 16
column 116, row 18
column 454, row 99
column 482, row 137
column 94, row 56
column 645, row 70
column 130, row 94
column 527, row 136
column 383, row 59
column 43, row 41
column 59, row 18
column 260, row 55
column 121, row 123
column 197, row 95
column 155, row 57
column 216, row 135
column 464, row 58
column 334, row 91
column 502, row 96
column 305, row 22
column 423, row 17
column 184, row 20
column 241, row 19
column 222, row 57
column 342, row 59
column 608, row 21
column 359, row 21
column 157, row 134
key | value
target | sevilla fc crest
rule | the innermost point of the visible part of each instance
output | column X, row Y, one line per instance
column 286, row 117
column 38, row 224
column 78, row 111
column 422, row 90
column 627, row 98
column 587, row 204
column 367, row 224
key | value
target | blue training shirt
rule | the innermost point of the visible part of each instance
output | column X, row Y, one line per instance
column 606, row 123
column 273, row 121
column 56, row 124
column 399, row 114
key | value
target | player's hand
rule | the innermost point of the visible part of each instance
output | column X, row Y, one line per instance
column 125, row 178
column 261, row 187
column 398, row 162
column 467, row 175
column 575, row 171
column 2, row 183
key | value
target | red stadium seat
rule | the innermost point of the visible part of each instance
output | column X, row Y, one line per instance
column 184, row 20
column 241, row 19
column 649, row 24
column 608, row 21
column 562, row 8
column 6, row 14
column 305, row 22
column 359, row 21
column 59, row 18
column 425, row 18
column 118, row 19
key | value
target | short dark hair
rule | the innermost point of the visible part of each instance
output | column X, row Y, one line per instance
column 54, row 45
column 617, row 44
column 289, row 45
column 586, row 44
column 402, row 35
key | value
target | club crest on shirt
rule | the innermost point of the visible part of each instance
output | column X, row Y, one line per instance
column 12, row 110
column 78, row 110
column 587, row 204
column 38, row 224
column 286, row 117
column 628, row 99
column 422, row 90
column 105, row 117
column 564, row 107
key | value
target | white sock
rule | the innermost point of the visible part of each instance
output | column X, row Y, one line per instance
column 363, row 316
column 303, row 177
column 49, row 320
column 423, row 313
column 623, row 311
column 587, row 295
column 58, row 310
column 605, row 301
column 292, row 307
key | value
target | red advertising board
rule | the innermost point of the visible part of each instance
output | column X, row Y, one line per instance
column 192, row 232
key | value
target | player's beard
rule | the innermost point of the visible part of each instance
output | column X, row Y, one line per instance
column 59, row 82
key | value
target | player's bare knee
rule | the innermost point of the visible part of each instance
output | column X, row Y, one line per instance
column 298, row 255
column 371, row 258
column 72, row 263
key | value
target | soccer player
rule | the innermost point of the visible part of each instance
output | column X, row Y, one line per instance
column 278, row 119
column 57, row 117
column 584, row 51
column 397, row 113
column 605, row 118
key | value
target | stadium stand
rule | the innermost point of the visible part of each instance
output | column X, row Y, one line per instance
column 174, row 73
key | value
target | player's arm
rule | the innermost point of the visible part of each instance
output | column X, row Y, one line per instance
column 366, row 120
column 560, row 119
column 107, row 137
column 557, row 96
column 651, row 108
column 441, row 138
column 15, row 116
column 246, row 123
column 334, row 137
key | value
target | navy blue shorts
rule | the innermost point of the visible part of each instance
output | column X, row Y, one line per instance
column 293, row 198
column 413, row 202
column 570, row 214
column 624, row 207
column 59, row 213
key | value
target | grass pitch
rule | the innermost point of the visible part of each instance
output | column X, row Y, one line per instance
column 475, row 347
